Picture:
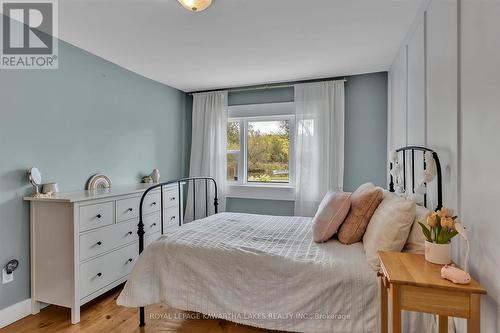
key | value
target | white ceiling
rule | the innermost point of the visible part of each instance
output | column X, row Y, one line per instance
column 239, row 42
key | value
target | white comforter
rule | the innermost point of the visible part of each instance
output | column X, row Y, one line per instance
column 258, row 270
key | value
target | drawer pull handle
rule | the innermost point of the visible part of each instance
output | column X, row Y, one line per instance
column 99, row 243
column 172, row 198
column 129, row 233
column 153, row 203
column 99, row 274
column 130, row 209
column 172, row 218
column 130, row 260
column 98, row 216
column 153, row 225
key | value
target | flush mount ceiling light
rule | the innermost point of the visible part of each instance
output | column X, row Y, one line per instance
column 195, row 5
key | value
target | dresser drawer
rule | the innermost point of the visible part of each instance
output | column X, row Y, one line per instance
column 170, row 197
column 102, row 240
column 152, row 202
column 152, row 223
column 171, row 216
column 127, row 209
column 95, row 216
column 100, row 272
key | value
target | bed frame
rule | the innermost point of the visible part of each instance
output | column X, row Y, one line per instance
column 409, row 152
column 207, row 180
column 180, row 182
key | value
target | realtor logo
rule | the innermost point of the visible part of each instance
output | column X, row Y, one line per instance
column 29, row 31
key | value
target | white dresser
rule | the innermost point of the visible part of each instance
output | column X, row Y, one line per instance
column 85, row 243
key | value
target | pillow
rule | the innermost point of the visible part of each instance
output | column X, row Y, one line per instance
column 331, row 213
column 416, row 240
column 364, row 201
column 389, row 227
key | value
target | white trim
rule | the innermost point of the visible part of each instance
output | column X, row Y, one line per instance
column 262, row 112
column 15, row 312
column 261, row 191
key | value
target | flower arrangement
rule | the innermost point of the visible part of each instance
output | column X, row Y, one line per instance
column 441, row 226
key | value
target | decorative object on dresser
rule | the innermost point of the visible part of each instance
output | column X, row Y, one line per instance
column 155, row 175
column 413, row 284
column 35, row 178
column 50, row 188
column 438, row 236
column 98, row 181
column 85, row 243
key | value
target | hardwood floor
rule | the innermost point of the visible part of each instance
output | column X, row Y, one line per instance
column 103, row 315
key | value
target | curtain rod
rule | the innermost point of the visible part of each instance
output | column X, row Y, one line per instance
column 267, row 86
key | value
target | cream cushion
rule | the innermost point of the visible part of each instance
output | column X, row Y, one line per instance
column 389, row 227
column 331, row 213
column 416, row 240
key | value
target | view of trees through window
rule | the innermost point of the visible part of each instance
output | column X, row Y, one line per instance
column 268, row 144
column 233, row 150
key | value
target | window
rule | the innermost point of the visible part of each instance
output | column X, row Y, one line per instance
column 260, row 147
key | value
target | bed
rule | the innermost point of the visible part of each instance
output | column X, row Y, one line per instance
column 263, row 271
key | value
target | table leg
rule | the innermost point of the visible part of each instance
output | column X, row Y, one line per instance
column 473, row 322
column 383, row 306
column 443, row 324
column 396, row 308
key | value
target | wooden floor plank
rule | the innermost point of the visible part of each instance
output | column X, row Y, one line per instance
column 103, row 315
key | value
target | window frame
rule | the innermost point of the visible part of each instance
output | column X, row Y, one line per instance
column 243, row 114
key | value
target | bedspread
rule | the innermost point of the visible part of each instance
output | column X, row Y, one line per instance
column 263, row 271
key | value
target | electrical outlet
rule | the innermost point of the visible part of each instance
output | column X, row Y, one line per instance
column 6, row 278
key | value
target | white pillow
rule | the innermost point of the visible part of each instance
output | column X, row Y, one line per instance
column 388, row 228
column 416, row 240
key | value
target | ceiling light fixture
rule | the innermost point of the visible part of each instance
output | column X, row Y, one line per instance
column 195, row 5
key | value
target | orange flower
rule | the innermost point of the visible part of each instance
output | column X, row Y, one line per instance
column 431, row 220
column 445, row 212
column 447, row 222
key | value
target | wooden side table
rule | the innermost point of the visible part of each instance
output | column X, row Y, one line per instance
column 414, row 284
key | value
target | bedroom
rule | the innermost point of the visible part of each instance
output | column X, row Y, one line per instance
column 126, row 89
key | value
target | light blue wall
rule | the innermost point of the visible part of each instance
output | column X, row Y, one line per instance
column 258, row 206
column 365, row 136
column 365, row 154
column 88, row 116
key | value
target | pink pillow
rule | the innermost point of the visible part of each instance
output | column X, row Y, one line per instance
column 364, row 202
column 331, row 213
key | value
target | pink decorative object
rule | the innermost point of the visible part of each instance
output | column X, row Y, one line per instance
column 331, row 213
column 455, row 274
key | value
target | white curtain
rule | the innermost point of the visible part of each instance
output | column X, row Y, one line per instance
column 319, row 143
column 208, row 151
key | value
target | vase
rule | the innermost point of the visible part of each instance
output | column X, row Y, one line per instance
column 438, row 253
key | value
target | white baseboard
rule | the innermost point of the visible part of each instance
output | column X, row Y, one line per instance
column 15, row 312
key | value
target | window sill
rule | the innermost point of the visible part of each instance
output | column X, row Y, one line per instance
column 261, row 191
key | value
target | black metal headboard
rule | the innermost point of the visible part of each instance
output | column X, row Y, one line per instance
column 179, row 182
column 409, row 153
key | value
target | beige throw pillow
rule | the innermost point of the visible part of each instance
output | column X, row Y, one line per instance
column 331, row 213
column 364, row 201
column 389, row 227
column 416, row 240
